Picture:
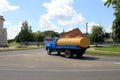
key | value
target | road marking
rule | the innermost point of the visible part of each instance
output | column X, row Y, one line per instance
column 45, row 70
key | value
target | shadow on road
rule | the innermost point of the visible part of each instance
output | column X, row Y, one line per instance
column 88, row 58
column 82, row 58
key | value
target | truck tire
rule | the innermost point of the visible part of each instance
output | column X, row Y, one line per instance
column 68, row 54
column 48, row 51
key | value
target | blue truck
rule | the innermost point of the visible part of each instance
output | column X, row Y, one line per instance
column 68, row 46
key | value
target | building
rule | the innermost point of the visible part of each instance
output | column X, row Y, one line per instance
column 73, row 33
column 3, row 33
column 47, row 39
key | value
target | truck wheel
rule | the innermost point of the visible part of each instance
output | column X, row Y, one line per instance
column 48, row 51
column 68, row 54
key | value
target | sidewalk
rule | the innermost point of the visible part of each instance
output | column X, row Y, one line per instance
column 11, row 47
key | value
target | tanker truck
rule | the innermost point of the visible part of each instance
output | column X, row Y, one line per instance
column 68, row 46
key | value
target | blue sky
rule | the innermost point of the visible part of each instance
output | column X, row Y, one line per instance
column 57, row 15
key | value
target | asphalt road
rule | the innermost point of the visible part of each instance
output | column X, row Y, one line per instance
column 37, row 65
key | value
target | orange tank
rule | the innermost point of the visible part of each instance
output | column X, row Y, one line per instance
column 78, row 41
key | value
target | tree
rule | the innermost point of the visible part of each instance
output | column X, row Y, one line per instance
column 109, row 2
column 38, row 36
column 97, row 35
column 116, row 22
column 51, row 33
column 41, row 37
column 25, row 35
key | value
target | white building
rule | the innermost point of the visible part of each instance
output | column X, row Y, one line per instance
column 3, row 33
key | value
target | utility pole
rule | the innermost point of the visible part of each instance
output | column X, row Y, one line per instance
column 87, row 29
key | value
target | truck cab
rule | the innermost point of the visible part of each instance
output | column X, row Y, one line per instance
column 51, row 46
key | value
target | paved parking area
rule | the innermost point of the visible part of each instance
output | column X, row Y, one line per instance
column 37, row 65
column 38, row 59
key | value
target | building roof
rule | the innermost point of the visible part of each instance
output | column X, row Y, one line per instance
column 72, row 33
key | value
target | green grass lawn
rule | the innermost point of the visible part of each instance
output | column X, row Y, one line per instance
column 14, row 46
column 31, row 47
column 13, row 43
column 103, row 53
column 113, row 50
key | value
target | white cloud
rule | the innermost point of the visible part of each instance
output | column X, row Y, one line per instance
column 12, row 30
column 5, row 6
column 108, row 28
column 62, row 13
column 6, row 23
column 91, row 24
column 104, row 0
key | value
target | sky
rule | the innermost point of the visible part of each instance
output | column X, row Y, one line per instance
column 56, row 15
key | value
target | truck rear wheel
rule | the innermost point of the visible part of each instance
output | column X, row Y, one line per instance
column 48, row 51
column 68, row 54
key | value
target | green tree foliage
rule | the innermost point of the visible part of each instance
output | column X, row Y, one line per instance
column 25, row 35
column 51, row 33
column 38, row 36
column 109, row 2
column 97, row 35
column 11, row 40
column 116, row 29
column 116, row 22
column 107, row 35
